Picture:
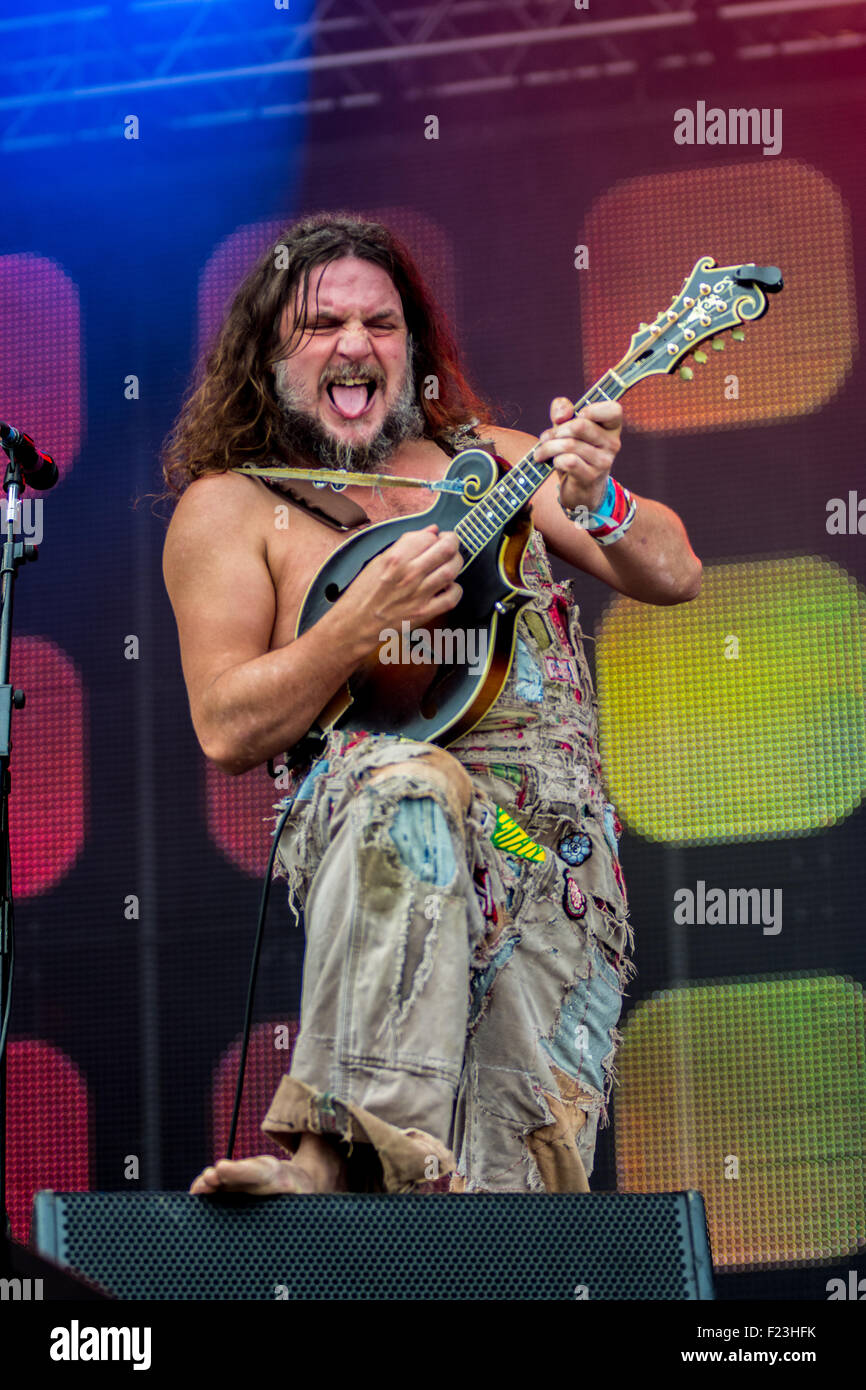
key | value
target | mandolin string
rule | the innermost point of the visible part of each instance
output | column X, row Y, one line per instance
column 485, row 520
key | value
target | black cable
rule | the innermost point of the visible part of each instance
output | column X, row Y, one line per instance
column 257, row 950
column 6, row 1002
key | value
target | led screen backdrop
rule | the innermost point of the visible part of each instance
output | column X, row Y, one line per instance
column 733, row 727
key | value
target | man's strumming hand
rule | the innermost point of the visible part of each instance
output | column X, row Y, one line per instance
column 413, row 580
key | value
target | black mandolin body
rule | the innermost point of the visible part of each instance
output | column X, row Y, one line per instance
column 427, row 699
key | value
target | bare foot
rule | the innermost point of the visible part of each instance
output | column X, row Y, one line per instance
column 319, row 1168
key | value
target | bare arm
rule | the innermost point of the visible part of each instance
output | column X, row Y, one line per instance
column 653, row 562
column 248, row 703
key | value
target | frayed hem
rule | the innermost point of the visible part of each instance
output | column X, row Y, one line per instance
column 404, row 1160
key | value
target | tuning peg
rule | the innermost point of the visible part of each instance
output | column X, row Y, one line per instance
column 738, row 335
column 686, row 373
column 700, row 358
column 719, row 344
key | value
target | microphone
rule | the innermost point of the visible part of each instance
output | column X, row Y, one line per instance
column 38, row 469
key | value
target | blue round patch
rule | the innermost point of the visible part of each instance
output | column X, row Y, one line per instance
column 576, row 849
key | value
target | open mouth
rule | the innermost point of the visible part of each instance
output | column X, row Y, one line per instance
column 351, row 399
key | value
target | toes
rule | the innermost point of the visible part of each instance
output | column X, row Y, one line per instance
column 246, row 1174
column 259, row 1176
column 206, row 1181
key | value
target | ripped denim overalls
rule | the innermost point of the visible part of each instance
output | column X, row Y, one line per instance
column 463, row 974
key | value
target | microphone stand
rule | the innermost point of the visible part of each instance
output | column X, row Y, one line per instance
column 14, row 553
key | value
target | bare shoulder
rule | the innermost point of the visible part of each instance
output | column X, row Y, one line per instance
column 215, row 550
column 215, row 496
column 511, row 444
column 218, row 505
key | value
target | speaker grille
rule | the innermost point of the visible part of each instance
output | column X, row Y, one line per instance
column 169, row 1245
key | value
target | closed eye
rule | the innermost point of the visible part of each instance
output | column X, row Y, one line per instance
column 374, row 325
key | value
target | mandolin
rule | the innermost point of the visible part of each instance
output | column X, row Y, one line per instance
column 433, row 684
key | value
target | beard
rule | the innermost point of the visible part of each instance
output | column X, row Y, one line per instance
column 303, row 436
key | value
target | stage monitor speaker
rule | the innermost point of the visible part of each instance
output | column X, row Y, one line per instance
column 170, row 1245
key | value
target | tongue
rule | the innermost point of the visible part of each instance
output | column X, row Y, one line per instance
column 351, row 401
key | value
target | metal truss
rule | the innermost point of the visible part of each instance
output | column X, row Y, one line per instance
column 75, row 74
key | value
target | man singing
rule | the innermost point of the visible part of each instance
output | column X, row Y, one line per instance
column 466, row 918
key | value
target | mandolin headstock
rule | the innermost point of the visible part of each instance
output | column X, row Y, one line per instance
column 713, row 300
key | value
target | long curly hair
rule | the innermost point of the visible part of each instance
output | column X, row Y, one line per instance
column 231, row 415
